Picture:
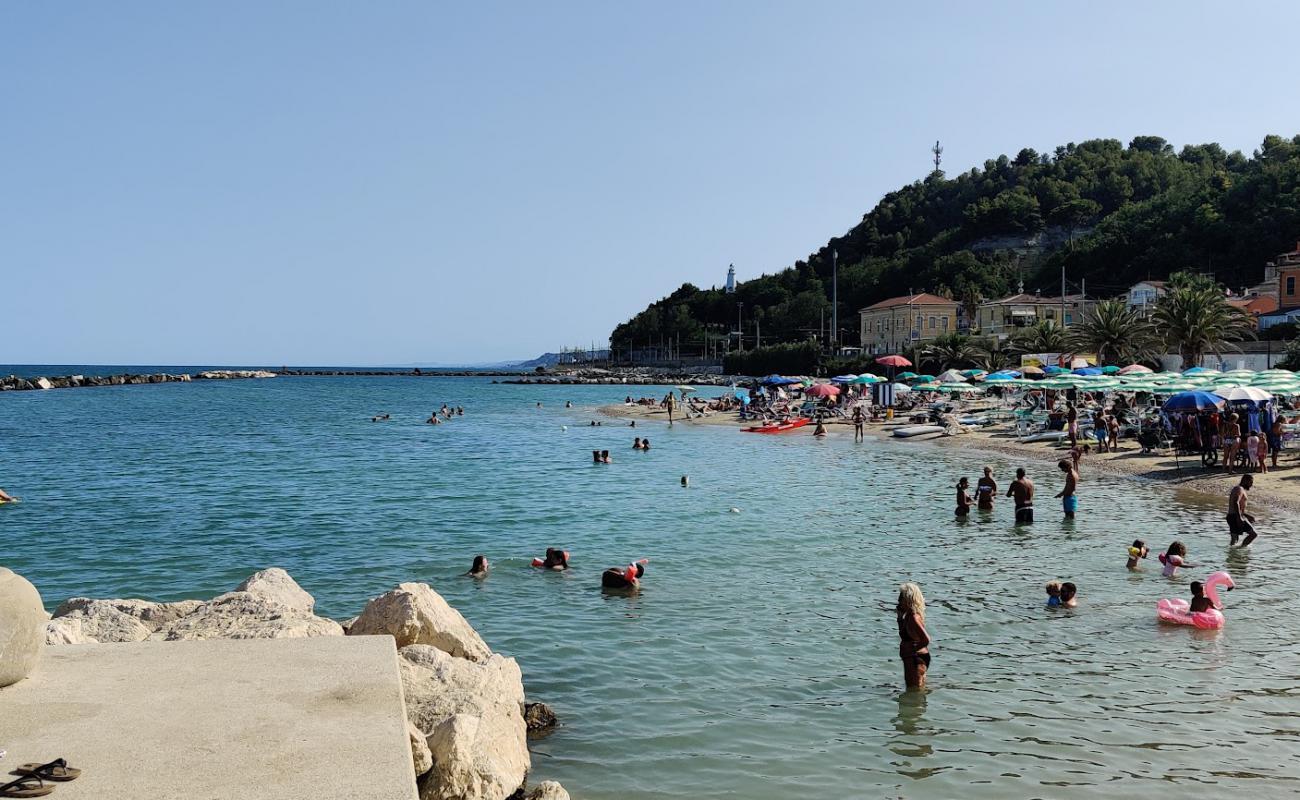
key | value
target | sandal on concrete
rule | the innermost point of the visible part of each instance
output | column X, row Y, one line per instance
column 26, row 786
column 56, row 770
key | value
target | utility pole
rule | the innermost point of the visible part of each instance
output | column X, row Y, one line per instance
column 1062, row 325
column 835, row 299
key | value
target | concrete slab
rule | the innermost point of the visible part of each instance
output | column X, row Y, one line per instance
column 274, row 719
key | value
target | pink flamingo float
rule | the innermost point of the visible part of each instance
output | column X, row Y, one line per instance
column 1175, row 609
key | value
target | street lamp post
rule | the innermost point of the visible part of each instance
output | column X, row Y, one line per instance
column 835, row 300
column 740, row 327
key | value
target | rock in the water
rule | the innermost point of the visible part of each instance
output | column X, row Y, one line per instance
column 152, row 615
column 22, row 627
column 43, row 383
column 101, row 621
column 274, row 584
column 420, row 755
column 240, row 615
column 66, row 630
column 472, row 713
column 539, row 717
column 415, row 614
column 548, row 790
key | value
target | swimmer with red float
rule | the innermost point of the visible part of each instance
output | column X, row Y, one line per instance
column 626, row 578
column 556, row 559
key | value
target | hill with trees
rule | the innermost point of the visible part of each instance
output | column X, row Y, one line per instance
column 1110, row 215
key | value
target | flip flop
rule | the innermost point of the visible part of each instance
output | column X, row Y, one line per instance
column 56, row 770
column 26, row 786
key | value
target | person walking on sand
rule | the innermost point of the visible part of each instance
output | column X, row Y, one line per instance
column 1022, row 489
column 670, row 403
column 914, row 640
column 985, row 489
column 1072, row 423
column 1069, row 500
column 1239, row 520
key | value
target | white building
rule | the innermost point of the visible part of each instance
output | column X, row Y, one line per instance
column 731, row 279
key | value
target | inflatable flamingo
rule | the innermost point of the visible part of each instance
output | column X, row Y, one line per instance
column 1174, row 609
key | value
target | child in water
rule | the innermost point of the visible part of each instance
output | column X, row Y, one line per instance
column 1137, row 550
column 1173, row 558
column 1053, row 594
column 1199, row 601
column 963, row 498
column 1068, row 591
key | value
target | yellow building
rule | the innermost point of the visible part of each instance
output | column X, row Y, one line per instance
column 1003, row 317
column 893, row 325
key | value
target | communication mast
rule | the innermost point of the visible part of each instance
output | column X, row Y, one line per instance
column 938, row 154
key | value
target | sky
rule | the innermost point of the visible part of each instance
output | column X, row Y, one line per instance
column 320, row 182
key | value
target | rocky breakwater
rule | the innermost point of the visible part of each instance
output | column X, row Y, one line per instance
column 14, row 383
column 464, row 704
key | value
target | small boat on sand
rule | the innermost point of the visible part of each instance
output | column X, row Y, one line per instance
column 778, row 427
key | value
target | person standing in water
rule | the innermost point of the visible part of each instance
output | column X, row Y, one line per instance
column 1022, row 489
column 669, row 402
column 985, row 489
column 1239, row 520
column 1069, row 500
column 858, row 435
column 963, row 498
column 913, row 639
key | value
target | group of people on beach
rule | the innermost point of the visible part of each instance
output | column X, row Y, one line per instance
column 627, row 579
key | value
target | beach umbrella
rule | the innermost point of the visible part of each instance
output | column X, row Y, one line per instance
column 1032, row 372
column 893, row 361
column 1240, row 393
column 742, row 395
column 999, row 377
column 962, row 388
column 843, row 379
column 924, row 378
column 927, row 387
column 1239, row 373
column 1193, row 401
column 684, row 389
column 822, row 390
column 901, row 388
column 866, row 378
column 773, row 380
column 1135, row 368
column 1109, row 369
column 1009, row 373
column 1087, row 371
column 906, row 376
column 974, row 373
column 1054, row 370
column 1200, row 371
column 952, row 376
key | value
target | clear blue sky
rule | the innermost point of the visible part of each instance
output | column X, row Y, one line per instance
column 392, row 182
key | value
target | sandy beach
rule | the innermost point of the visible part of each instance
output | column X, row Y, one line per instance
column 1278, row 491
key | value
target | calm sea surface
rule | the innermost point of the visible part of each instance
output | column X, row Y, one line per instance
column 761, row 659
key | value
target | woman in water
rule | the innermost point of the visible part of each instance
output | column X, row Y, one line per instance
column 604, row 457
column 626, row 578
column 963, row 498
column 985, row 489
column 479, row 569
column 820, row 430
column 595, row 456
column 556, row 559
column 636, row 445
column 645, row 444
column 914, row 641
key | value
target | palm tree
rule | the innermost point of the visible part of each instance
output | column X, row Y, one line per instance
column 993, row 354
column 1198, row 320
column 1116, row 333
column 950, row 350
column 1044, row 336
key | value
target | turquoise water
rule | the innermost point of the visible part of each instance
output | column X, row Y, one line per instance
column 760, row 661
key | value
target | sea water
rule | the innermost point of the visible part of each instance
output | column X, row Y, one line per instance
column 761, row 658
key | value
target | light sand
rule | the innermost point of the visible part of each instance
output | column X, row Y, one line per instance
column 1277, row 492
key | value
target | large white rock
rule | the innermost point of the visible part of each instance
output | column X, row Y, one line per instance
column 66, row 630
column 240, row 615
column 99, row 621
column 274, row 584
column 413, row 614
column 548, row 790
column 472, row 713
column 22, row 627
column 151, row 615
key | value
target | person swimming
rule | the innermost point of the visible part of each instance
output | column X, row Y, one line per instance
column 1173, row 558
column 433, row 419
column 645, row 444
column 1199, row 601
column 556, row 559
column 1053, row 594
column 686, row 481
column 1068, row 591
column 626, row 578
column 604, row 457
column 381, row 418
column 479, row 569
column 1135, row 551
column 636, row 445
column 595, row 456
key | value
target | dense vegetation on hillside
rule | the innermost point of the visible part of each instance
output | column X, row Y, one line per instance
column 1111, row 215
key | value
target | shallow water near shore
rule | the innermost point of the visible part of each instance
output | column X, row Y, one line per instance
column 761, row 659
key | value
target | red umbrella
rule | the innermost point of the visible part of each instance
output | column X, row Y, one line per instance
column 822, row 390
column 893, row 361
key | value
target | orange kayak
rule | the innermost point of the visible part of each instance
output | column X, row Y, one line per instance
column 778, row 427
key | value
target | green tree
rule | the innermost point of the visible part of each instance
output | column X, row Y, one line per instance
column 950, row 350
column 1044, row 336
column 1198, row 320
column 1116, row 333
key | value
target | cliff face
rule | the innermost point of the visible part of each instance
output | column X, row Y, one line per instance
column 464, row 703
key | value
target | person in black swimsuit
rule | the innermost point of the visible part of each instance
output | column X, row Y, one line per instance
column 914, row 641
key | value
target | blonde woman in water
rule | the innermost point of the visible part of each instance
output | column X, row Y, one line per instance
column 914, row 641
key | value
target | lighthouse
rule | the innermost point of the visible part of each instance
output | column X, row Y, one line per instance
column 731, row 279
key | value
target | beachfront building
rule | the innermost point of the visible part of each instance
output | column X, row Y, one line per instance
column 1256, row 306
column 1285, row 271
column 1001, row 318
column 898, row 323
column 1143, row 295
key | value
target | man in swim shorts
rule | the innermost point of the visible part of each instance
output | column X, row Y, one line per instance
column 1239, row 521
column 985, row 489
column 1022, row 489
column 1069, row 500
